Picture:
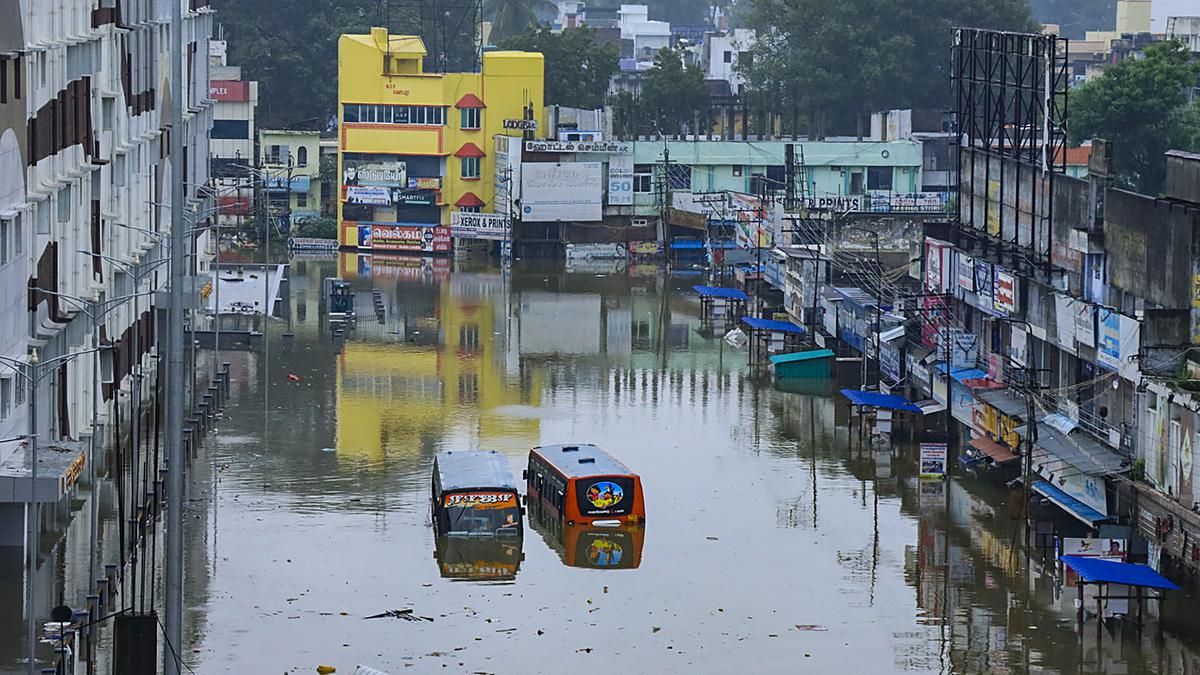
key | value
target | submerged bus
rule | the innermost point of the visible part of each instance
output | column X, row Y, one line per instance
column 474, row 494
column 584, row 485
column 601, row 548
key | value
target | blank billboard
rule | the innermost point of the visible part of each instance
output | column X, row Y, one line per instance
column 568, row 192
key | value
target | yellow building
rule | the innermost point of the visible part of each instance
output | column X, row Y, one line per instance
column 416, row 146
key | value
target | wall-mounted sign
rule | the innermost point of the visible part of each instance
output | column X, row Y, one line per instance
column 620, row 180
column 494, row 226
column 403, row 237
column 521, row 125
column 409, row 197
column 839, row 203
column 234, row 91
column 434, row 183
column 933, row 460
column 1005, row 292
column 580, row 146
column 357, row 172
column 368, row 194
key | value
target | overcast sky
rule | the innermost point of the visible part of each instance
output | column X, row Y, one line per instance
column 1161, row 9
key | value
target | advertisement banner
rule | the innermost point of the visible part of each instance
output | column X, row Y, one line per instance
column 646, row 247
column 377, row 196
column 620, row 180
column 966, row 272
column 1004, row 292
column 552, row 192
column 411, row 197
column 434, row 183
column 234, row 91
column 933, row 460
column 1085, row 323
column 358, row 171
column 393, row 237
column 1108, row 351
column 490, row 226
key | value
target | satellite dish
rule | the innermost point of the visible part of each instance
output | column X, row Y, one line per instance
column 62, row 614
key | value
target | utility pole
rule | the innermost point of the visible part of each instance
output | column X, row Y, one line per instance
column 33, row 514
column 173, row 555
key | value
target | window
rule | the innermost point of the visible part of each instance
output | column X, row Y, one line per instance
column 728, row 56
column 470, row 167
column 6, row 387
column 680, row 176
column 276, row 154
column 118, row 171
column 470, row 118
column 879, row 178
column 18, row 234
column 64, row 205
column 856, row 183
column 737, row 170
column 43, row 217
column 302, row 156
column 423, row 115
column 302, row 200
column 643, row 178
column 231, row 130
column 5, row 229
column 469, row 209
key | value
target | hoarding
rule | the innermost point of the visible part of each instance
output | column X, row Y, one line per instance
column 400, row 237
column 233, row 91
column 578, row 146
column 933, row 460
column 434, row 183
column 492, row 226
column 553, row 192
column 620, row 180
column 1004, row 292
column 368, row 194
column 359, row 171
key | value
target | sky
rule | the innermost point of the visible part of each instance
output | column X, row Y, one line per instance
column 1161, row 9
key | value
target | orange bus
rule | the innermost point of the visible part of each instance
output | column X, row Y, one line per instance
column 583, row 485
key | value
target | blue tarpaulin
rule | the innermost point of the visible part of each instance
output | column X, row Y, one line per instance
column 720, row 292
column 878, row 400
column 1097, row 571
column 961, row 374
column 772, row 325
column 1069, row 504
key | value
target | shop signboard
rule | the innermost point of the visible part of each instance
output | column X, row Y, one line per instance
column 1004, row 292
column 491, row 226
column 612, row 147
column 422, row 183
column 368, row 194
column 359, row 171
column 966, row 272
column 620, row 180
column 933, row 460
column 521, row 125
column 403, row 237
column 569, row 192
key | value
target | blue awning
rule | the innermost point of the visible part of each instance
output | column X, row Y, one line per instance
column 1069, row 504
column 772, row 325
column 720, row 292
column 878, row 400
column 687, row 244
column 1098, row 571
column 803, row 356
column 961, row 374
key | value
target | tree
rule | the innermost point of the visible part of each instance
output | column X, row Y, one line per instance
column 673, row 96
column 842, row 59
column 1141, row 105
column 578, row 68
column 510, row 17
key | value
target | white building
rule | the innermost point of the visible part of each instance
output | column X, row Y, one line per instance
column 235, row 105
column 722, row 51
column 643, row 36
column 84, row 101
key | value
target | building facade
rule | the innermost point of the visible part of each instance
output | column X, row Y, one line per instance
column 235, row 107
column 416, row 146
column 291, row 162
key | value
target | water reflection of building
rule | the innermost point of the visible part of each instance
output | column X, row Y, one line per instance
column 399, row 389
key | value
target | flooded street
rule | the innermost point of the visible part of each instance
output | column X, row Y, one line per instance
column 773, row 543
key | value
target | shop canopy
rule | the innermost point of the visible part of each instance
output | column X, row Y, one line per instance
column 1074, row 453
column 1006, row 401
column 720, row 292
column 1100, row 571
column 963, row 374
column 999, row 453
column 772, row 325
column 876, row 399
column 1071, row 505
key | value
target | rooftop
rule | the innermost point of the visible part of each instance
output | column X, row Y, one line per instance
column 578, row 460
column 473, row 469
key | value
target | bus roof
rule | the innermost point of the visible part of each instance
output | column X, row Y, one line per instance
column 473, row 469
column 578, row 460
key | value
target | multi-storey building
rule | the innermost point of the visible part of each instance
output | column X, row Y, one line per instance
column 235, row 106
column 291, row 164
column 84, row 182
column 414, row 146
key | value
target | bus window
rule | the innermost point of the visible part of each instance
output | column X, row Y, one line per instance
column 481, row 513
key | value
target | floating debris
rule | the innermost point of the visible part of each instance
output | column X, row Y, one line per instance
column 406, row 614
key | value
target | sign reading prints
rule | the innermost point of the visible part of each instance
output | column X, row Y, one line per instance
column 494, row 226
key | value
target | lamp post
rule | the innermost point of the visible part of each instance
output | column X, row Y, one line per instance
column 878, row 308
column 32, row 372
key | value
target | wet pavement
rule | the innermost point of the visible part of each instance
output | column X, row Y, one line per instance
column 773, row 542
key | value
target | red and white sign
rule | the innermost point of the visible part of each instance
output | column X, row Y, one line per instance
column 378, row 237
column 229, row 90
column 233, row 206
column 1005, row 292
column 937, row 263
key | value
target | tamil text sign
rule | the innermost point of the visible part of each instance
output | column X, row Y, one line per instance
column 400, row 237
column 577, row 146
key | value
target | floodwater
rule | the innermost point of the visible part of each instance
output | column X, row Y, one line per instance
column 773, row 544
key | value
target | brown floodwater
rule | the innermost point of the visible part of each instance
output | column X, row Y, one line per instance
column 773, row 542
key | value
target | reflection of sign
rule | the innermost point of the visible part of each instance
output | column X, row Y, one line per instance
column 478, row 225
column 577, row 146
column 387, row 237
column 521, row 125
column 73, row 472
column 605, row 494
column 370, row 172
column 480, row 500
column 425, row 183
column 933, row 460
column 620, row 180
column 229, row 90
column 374, row 195
column 605, row 552
column 1005, row 292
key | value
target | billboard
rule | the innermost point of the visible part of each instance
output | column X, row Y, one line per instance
column 400, row 237
column 492, row 226
column 620, row 180
column 508, row 171
column 561, row 192
column 364, row 171
column 234, row 91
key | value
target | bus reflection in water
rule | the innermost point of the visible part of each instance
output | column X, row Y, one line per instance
column 478, row 559
column 594, row 547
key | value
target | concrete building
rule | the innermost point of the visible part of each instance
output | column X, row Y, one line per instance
column 235, row 106
column 641, row 38
column 291, row 162
column 417, row 146
column 721, row 54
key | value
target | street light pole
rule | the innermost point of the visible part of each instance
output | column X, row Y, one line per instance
column 173, row 555
column 32, row 514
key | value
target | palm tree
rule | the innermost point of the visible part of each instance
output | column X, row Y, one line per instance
column 510, row 17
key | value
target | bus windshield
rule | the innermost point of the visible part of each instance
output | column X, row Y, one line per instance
column 481, row 513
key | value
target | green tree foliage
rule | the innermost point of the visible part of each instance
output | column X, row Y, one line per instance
column 578, row 68
column 1141, row 105
column 1076, row 17
column 673, row 97
column 511, row 17
column 836, row 61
